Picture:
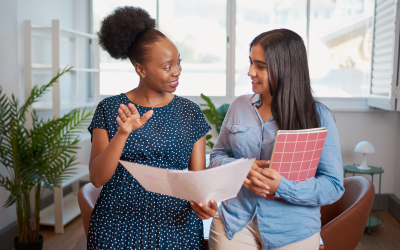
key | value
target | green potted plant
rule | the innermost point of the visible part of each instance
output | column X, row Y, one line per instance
column 213, row 116
column 36, row 159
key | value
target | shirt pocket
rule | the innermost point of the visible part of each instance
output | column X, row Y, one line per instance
column 238, row 138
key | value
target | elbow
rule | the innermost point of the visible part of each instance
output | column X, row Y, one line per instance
column 95, row 181
column 337, row 192
column 96, row 185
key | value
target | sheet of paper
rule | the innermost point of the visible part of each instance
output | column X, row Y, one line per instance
column 218, row 183
column 151, row 178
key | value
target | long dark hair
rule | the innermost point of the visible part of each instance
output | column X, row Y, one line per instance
column 293, row 106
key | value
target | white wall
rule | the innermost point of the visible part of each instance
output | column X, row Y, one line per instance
column 73, row 14
column 397, row 165
column 8, row 80
column 381, row 129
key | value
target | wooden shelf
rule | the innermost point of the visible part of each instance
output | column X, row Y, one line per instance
column 40, row 66
column 70, row 211
column 65, row 33
column 46, row 106
column 65, row 208
column 82, row 170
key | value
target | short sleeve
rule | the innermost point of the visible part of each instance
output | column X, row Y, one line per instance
column 99, row 120
column 201, row 126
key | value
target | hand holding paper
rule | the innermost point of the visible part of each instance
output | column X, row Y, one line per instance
column 220, row 183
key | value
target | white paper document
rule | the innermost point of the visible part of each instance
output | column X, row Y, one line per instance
column 219, row 183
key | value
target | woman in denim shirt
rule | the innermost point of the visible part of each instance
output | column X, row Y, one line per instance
column 282, row 101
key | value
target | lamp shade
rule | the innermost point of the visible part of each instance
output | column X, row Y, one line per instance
column 365, row 147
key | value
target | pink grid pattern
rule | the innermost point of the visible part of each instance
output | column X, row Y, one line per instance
column 296, row 155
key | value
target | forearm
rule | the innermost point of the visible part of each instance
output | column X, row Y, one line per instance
column 103, row 166
column 319, row 191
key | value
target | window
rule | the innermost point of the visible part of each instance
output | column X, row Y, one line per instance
column 254, row 17
column 198, row 29
column 340, row 47
column 213, row 37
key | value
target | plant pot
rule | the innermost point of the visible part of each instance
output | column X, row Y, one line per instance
column 38, row 245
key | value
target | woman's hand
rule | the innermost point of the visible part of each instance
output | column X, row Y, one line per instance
column 272, row 183
column 203, row 211
column 129, row 118
column 257, row 180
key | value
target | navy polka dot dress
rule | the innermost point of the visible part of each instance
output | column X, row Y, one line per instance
column 126, row 216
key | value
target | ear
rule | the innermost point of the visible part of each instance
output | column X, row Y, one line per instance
column 140, row 70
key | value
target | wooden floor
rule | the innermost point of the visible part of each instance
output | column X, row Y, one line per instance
column 384, row 237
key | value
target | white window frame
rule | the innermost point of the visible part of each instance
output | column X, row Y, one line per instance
column 385, row 56
column 334, row 103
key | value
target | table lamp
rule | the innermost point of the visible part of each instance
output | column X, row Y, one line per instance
column 364, row 147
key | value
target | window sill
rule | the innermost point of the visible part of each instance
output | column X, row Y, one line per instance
column 348, row 104
column 335, row 104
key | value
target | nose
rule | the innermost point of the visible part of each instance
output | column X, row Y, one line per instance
column 177, row 70
column 251, row 72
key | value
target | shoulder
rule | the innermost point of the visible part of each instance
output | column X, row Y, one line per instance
column 242, row 103
column 186, row 104
column 243, row 99
column 112, row 102
column 325, row 115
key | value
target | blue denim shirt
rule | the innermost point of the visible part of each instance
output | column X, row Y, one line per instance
column 297, row 216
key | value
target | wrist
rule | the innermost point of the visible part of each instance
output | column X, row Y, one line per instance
column 283, row 187
column 122, row 134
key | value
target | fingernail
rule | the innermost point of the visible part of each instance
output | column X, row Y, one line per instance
column 200, row 205
column 267, row 192
column 267, row 187
column 212, row 201
column 191, row 203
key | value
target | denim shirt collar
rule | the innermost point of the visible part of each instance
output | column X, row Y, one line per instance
column 255, row 100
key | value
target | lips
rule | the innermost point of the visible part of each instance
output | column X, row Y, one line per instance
column 174, row 84
column 255, row 82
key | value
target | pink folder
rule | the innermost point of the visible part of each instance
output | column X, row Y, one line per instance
column 296, row 154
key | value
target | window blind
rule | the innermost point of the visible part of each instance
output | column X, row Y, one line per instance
column 385, row 55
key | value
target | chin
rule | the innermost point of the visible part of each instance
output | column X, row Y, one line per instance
column 257, row 90
column 171, row 90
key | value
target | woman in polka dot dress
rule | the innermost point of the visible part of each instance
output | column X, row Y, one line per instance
column 148, row 125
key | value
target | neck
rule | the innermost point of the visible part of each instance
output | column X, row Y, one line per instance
column 266, row 99
column 146, row 96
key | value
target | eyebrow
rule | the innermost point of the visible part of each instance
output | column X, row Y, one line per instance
column 170, row 60
column 166, row 62
column 257, row 61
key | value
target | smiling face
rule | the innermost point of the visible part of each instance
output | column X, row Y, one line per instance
column 258, row 70
column 161, row 73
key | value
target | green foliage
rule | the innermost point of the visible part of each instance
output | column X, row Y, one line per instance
column 37, row 156
column 214, row 116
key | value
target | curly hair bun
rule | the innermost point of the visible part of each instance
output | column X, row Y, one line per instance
column 119, row 30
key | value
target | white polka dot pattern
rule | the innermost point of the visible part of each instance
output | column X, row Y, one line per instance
column 126, row 216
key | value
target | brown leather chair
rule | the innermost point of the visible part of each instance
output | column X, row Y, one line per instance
column 87, row 197
column 343, row 222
